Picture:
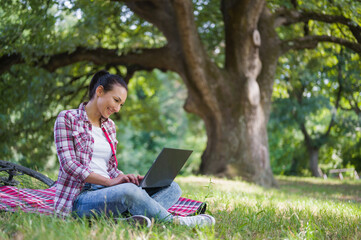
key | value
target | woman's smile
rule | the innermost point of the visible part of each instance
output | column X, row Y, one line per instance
column 111, row 101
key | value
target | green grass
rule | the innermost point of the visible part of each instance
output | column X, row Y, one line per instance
column 301, row 208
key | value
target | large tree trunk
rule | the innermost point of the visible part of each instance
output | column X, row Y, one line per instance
column 235, row 102
column 238, row 146
column 313, row 155
column 313, row 150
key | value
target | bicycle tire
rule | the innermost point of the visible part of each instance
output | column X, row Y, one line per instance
column 13, row 170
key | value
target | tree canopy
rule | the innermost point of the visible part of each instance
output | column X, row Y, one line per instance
column 225, row 52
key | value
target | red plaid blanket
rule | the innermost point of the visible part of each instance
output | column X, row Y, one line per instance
column 42, row 201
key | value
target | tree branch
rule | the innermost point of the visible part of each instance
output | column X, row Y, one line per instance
column 310, row 42
column 308, row 139
column 240, row 19
column 200, row 73
column 298, row 95
column 7, row 61
column 354, row 105
column 269, row 54
column 175, row 20
column 143, row 58
column 332, row 122
column 158, row 12
column 189, row 37
column 287, row 17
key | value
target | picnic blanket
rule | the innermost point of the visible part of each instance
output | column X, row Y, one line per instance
column 41, row 201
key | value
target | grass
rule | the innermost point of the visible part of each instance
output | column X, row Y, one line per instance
column 301, row 208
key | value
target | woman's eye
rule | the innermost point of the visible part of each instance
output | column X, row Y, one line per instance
column 116, row 100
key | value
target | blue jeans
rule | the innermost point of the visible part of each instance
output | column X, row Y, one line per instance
column 126, row 197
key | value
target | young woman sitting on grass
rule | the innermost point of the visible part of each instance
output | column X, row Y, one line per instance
column 89, row 182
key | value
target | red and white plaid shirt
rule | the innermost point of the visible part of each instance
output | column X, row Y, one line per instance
column 74, row 145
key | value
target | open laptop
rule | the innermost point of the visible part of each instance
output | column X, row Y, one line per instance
column 165, row 168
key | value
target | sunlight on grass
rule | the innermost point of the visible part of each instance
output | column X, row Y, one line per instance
column 301, row 208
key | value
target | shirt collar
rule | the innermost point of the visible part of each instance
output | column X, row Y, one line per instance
column 84, row 116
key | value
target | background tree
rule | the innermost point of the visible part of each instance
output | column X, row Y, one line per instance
column 233, row 96
column 350, row 104
column 314, row 85
column 312, row 98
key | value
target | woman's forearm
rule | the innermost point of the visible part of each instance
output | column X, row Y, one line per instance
column 98, row 179
column 122, row 178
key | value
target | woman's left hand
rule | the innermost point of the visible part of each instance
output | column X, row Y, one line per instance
column 133, row 179
column 125, row 178
column 140, row 178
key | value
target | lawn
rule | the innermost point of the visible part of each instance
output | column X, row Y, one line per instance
column 301, row 208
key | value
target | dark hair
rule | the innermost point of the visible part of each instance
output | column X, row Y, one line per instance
column 106, row 80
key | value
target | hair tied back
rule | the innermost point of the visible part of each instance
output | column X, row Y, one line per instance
column 105, row 79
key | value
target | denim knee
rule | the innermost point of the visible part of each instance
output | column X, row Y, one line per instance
column 176, row 189
column 132, row 193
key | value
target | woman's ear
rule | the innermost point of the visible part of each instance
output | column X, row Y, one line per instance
column 99, row 91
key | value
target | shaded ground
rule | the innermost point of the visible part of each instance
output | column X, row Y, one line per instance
column 335, row 189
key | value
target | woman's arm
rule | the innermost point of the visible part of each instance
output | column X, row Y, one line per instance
column 63, row 137
column 122, row 178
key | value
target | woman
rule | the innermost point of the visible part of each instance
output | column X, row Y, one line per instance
column 89, row 182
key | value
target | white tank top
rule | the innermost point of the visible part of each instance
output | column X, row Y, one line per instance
column 101, row 153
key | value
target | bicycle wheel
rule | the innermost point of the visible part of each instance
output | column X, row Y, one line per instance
column 12, row 174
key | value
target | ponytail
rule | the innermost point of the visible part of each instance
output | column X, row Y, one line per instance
column 105, row 79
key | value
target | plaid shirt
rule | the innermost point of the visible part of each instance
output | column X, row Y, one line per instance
column 74, row 145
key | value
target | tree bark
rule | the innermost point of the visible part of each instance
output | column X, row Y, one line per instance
column 313, row 149
column 236, row 122
column 238, row 146
column 313, row 155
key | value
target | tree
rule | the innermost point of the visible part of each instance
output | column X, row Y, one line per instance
column 316, row 95
column 232, row 97
column 314, row 90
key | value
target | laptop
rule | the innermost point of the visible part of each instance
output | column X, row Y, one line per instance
column 165, row 168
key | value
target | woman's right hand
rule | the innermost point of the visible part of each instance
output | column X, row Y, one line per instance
column 124, row 178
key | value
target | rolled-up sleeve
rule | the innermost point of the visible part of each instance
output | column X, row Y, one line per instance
column 114, row 172
column 65, row 149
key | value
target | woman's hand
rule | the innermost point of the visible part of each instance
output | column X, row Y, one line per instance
column 140, row 178
column 125, row 178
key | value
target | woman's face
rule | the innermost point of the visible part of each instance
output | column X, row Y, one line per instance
column 111, row 101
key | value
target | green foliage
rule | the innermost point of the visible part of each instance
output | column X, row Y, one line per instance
column 32, row 98
column 24, row 115
column 287, row 152
column 307, row 86
column 210, row 24
column 38, row 28
column 312, row 88
column 351, row 151
column 347, row 8
column 153, row 116
column 27, row 28
column 152, row 119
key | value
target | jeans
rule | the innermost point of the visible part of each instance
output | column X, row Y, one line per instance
column 126, row 197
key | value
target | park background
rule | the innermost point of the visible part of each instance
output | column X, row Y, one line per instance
column 312, row 114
